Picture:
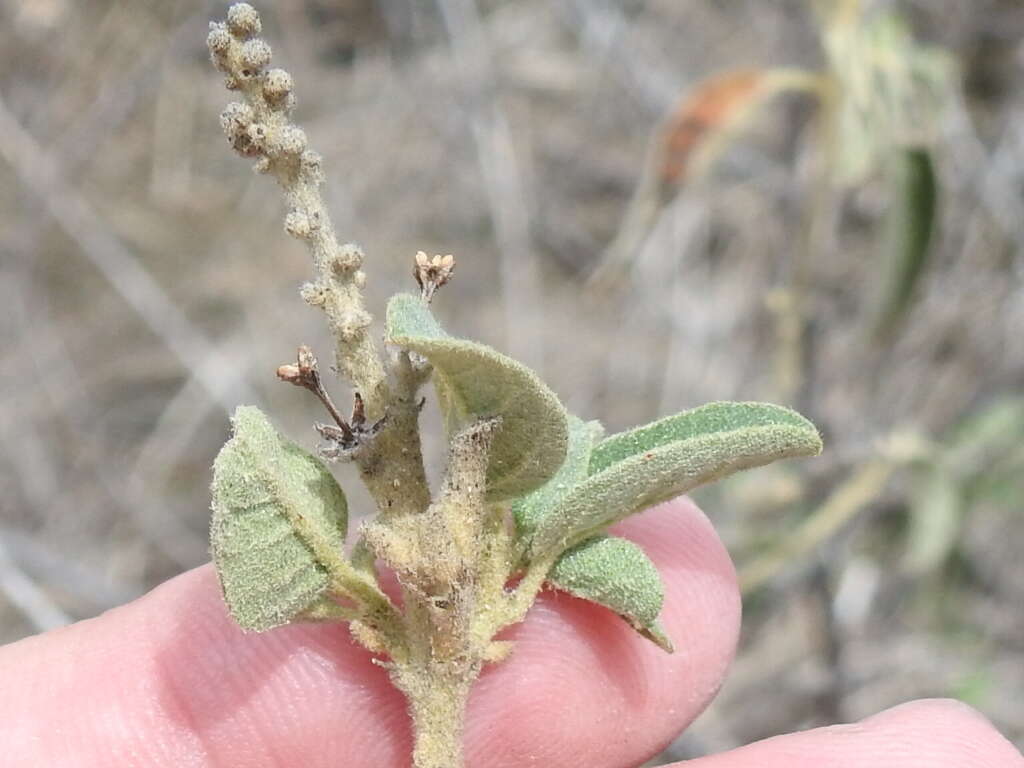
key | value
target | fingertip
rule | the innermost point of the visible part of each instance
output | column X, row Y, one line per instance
column 938, row 733
column 171, row 680
column 619, row 698
column 953, row 730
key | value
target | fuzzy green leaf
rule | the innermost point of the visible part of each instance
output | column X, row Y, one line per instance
column 707, row 419
column 269, row 497
column 476, row 382
column 529, row 510
column 637, row 469
column 615, row 573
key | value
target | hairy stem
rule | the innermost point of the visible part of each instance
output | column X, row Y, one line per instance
column 515, row 605
column 439, row 556
column 392, row 465
column 260, row 128
column 437, row 702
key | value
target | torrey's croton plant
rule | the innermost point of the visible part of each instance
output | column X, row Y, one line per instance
column 528, row 493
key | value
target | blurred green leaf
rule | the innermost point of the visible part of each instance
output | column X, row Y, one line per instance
column 909, row 226
column 637, row 469
column 890, row 90
column 615, row 573
column 475, row 382
column 977, row 687
column 972, row 465
column 987, row 435
column 936, row 518
column 269, row 498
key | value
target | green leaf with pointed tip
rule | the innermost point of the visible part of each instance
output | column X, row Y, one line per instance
column 707, row 419
column 268, row 496
column 476, row 382
column 615, row 573
column 529, row 510
column 637, row 469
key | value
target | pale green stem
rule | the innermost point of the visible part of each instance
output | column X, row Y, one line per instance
column 519, row 601
column 437, row 704
column 392, row 465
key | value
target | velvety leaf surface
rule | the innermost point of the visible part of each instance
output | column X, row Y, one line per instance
column 266, row 492
column 651, row 464
column 615, row 573
column 473, row 382
column 530, row 509
column 709, row 418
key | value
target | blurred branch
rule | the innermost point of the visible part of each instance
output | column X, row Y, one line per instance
column 38, row 173
column 521, row 286
column 61, row 571
column 599, row 26
column 117, row 98
column 38, row 608
column 860, row 489
column 56, row 374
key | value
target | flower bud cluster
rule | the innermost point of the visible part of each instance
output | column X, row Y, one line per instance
column 260, row 127
column 243, row 21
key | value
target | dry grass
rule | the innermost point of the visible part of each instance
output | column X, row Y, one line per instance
column 147, row 287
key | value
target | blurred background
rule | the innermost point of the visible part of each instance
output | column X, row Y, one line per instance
column 654, row 203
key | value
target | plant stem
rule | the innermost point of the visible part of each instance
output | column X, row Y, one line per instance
column 438, row 673
column 515, row 605
column 437, row 703
column 440, row 556
column 392, row 465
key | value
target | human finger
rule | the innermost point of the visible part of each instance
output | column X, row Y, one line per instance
column 932, row 733
column 170, row 680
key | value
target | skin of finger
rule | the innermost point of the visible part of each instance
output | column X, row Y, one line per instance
column 931, row 733
column 170, row 680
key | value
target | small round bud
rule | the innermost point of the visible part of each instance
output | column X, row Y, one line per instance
column 262, row 165
column 255, row 57
column 313, row 294
column 348, row 258
column 231, row 83
column 243, row 145
column 243, row 20
column 289, row 373
column 312, row 160
column 277, row 85
column 220, row 63
column 257, row 133
column 312, row 164
column 292, row 140
column 219, row 40
column 352, row 324
column 236, row 117
column 306, row 360
column 297, row 224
